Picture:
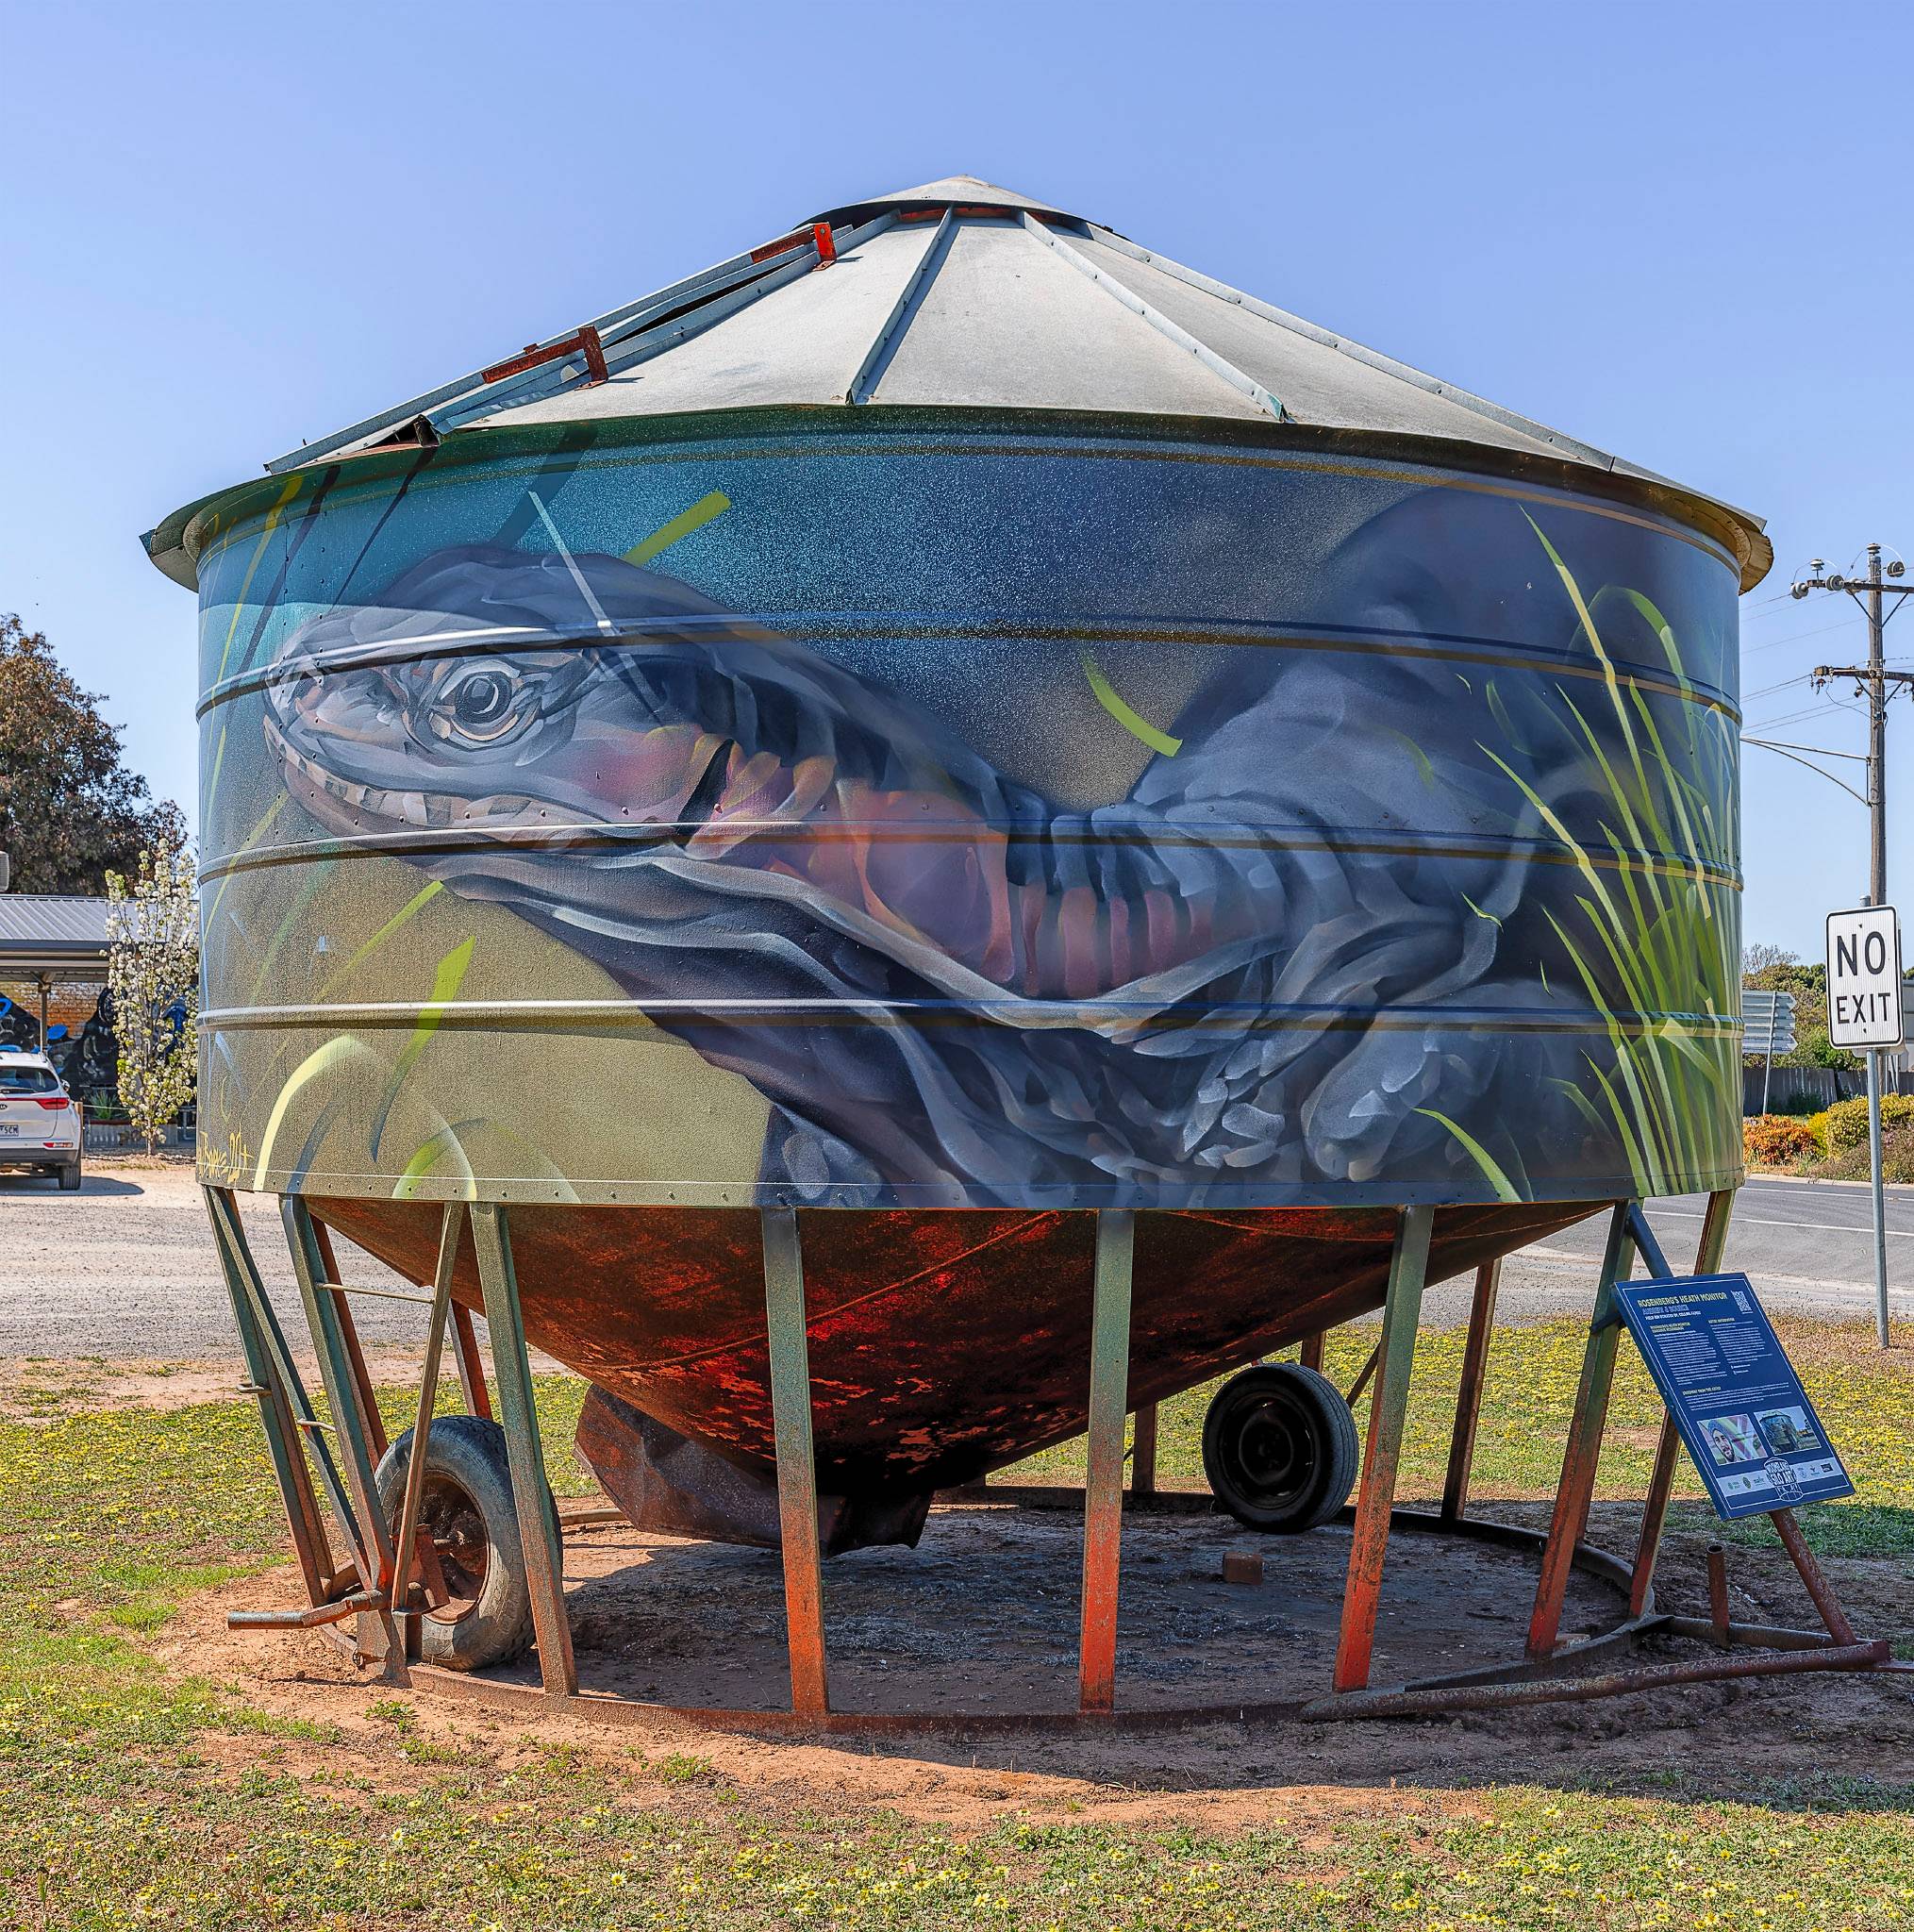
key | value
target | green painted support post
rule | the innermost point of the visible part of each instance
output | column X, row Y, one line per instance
column 544, row 1551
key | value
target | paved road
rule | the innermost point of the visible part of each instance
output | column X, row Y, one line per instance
column 1807, row 1246
column 125, row 1269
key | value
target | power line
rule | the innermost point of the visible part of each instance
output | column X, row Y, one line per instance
column 1793, row 638
column 1748, row 698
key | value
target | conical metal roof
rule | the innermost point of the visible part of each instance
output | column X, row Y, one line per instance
column 960, row 294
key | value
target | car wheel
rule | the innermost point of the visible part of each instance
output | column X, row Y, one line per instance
column 70, row 1177
column 483, row 1615
column 1280, row 1448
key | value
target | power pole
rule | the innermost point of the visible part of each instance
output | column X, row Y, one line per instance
column 1872, row 681
column 1876, row 683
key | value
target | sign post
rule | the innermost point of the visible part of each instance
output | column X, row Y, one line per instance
column 1864, row 1015
column 1767, row 1028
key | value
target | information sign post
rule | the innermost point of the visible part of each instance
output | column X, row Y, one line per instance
column 1864, row 1015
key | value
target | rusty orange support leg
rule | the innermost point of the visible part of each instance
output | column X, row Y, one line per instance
column 1102, row 1503
column 798, row 1474
column 471, row 1364
column 1818, row 1588
column 1582, row 1450
column 361, row 1375
column 1469, row 1397
column 1396, row 1353
column 1143, row 1452
column 1654, row 1513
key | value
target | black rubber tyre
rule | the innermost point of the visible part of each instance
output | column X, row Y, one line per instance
column 1280, row 1448
column 468, row 1508
column 70, row 1177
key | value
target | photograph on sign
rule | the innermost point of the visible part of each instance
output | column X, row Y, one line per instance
column 1864, row 978
column 1750, row 1428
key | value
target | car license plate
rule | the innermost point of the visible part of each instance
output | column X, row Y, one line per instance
column 9, row 1126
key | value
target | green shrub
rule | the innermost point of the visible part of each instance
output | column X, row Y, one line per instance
column 1847, row 1120
column 1771, row 1140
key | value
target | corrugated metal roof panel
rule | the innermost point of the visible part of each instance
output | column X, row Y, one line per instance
column 36, row 917
column 1316, row 382
column 48, row 933
column 1005, row 324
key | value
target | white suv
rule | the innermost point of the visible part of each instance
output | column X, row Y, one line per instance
column 39, row 1125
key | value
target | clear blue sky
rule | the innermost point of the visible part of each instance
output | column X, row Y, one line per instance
column 1678, row 230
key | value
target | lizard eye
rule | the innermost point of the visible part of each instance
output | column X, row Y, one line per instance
column 484, row 705
column 482, row 699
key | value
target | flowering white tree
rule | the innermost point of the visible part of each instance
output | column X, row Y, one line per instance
column 153, row 971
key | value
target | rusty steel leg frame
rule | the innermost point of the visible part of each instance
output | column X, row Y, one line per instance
column 303, row 1518
column 345, row 1397
column 544, row 1553
column 286, row 1413
column 787, row 1340
column 1103, row 1487
column 1396, row 1353
column 1469, row 1397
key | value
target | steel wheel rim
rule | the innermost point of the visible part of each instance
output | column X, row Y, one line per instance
column 1268, row 1452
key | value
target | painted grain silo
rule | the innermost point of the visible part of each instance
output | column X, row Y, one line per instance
column 946, row 724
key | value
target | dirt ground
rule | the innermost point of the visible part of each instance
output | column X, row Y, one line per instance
column 982, row 1617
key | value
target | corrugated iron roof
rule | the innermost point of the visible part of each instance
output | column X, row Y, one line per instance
column 46, row 933
column 959, row 293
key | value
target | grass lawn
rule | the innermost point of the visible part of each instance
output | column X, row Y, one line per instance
column 130, row 1795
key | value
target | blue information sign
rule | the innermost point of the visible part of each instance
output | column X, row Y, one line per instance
column 1733, row 1393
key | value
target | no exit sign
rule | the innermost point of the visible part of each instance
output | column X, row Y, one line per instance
column 1864, row 978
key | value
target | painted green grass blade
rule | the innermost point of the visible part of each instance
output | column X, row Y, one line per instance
column 1491, row 1170
column 407, row 912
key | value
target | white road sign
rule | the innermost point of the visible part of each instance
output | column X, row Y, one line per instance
column 1864, row 978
